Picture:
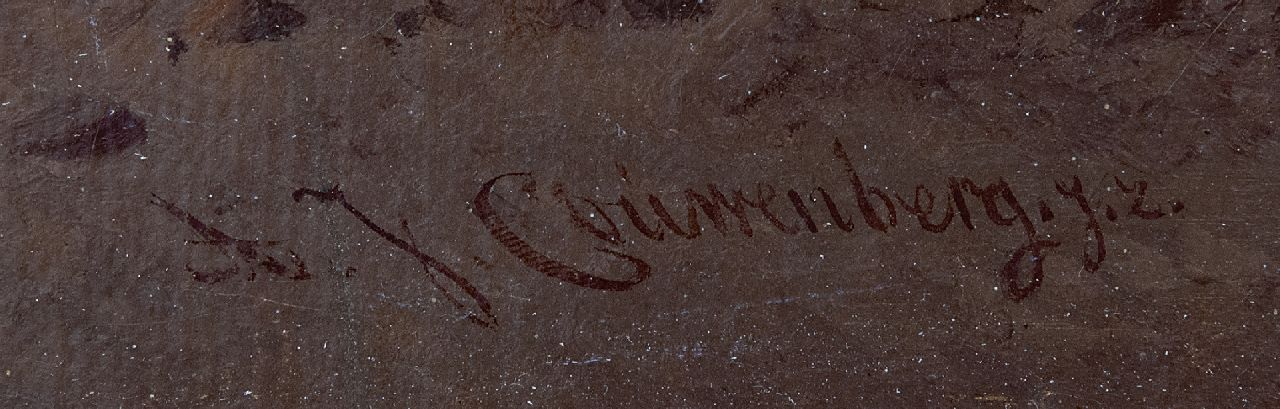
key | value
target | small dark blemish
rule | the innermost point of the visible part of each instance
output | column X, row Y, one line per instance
column 391, row 43
column 269, row 20
column 176, row 47
column 363, row 152
column 1110, row 21
column 331, row 122
column 554, row 15
column 796, row 125
column 1046, row 214
column 877, row 6
column 1178, row 206
column 622, row 170
column 114, row 132
column 667, row 11
column 1203, row 280
column 996, row 9
column 231, row 203
column 1160, row 12
column 409, row 22
column 440, row 11
column 1111, row 213
column 213, row 276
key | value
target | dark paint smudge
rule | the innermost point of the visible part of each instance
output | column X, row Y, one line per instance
column 667, row 11
column 409, row 23
column 391, row 43
column 176, row 47
column 995, row 9
column 1160, row 12
column 269, row 20
column 554, row 15
column 1110, row 21
column 114, row 132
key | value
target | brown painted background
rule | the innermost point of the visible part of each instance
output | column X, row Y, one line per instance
column 224, row 108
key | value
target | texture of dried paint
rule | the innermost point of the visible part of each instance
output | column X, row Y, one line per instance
column 600, row 203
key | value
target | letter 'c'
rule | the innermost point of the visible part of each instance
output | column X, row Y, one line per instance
column 535, row 260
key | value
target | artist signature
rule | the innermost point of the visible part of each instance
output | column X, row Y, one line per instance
column 791, row 212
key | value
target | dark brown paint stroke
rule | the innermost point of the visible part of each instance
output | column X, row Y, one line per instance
column 429, row 264
column 247, row 251
column 518, row 247
column 114, row 132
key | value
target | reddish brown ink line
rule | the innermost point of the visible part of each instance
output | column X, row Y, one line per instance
column 998, row 202
column 245, row 250
column 429, row 264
